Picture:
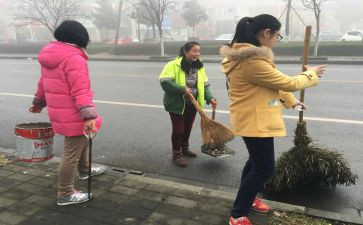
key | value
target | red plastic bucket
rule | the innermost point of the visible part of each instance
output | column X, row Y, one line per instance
column 34, row 142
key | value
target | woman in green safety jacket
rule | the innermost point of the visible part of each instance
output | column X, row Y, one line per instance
column 180, row 79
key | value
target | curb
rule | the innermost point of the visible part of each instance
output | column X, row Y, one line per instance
column 227, row 195
column 166, row 59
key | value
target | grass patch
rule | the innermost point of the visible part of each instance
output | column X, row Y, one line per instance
column 285, row 218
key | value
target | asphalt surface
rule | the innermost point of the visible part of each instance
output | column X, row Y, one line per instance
column 136, row 129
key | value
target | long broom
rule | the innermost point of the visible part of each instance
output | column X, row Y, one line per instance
column 212, row 131
column 306, row 163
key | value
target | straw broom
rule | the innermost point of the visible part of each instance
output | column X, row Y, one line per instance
column 306, row 163
column 212, row 131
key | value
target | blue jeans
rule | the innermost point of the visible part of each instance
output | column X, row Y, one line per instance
column 259, row 167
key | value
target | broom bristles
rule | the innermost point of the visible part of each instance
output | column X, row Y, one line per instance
column 212, row 131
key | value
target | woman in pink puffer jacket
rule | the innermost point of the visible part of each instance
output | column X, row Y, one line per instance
column 65, row 89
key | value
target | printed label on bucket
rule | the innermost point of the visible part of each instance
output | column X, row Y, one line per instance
column 34, row 150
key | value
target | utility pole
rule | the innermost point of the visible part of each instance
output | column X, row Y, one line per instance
column 118, row 22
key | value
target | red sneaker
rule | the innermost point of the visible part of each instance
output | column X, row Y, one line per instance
column 239, row 221
column 259, row 206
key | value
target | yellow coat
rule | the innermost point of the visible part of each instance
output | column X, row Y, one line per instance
column 257, row 90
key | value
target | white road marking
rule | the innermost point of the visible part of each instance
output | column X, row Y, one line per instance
column 330, row 120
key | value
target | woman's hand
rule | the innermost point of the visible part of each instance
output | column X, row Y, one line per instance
column 36, row 109
column 299, row 106
column 214, row 103
column 90, row 126
column 188, row 92
column 319, row 70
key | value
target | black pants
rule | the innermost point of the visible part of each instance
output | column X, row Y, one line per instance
column 259, row 167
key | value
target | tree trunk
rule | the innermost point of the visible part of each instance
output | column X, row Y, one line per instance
column 316, row 46
column 118, row 22
column 154, row 33
column 287, row 28
column 162, row 51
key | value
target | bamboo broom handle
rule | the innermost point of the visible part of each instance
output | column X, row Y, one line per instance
column 304, row 63
column 195, row 103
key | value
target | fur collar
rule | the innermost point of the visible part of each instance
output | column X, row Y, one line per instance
column 246, row 51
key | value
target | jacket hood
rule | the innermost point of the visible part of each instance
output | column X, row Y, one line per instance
column 56, row 52
column 240, row 52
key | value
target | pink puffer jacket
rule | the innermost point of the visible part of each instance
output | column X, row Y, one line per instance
column 65, row 88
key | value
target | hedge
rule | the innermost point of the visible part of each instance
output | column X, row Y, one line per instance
column 208, row 48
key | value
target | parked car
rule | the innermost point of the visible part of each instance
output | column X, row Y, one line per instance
column 123, row 39
column 224, row 37
column 354, row 35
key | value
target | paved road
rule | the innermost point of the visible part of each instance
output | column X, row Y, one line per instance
column 136, row 129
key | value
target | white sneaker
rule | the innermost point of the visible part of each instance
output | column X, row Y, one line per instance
column 95, row 170
column 75, row 198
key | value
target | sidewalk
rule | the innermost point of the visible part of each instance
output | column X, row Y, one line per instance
column 206, row 58
column 28, row 197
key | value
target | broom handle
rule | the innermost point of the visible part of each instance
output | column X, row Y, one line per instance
column 304, row 63
column 213, row 113
column 196, row 105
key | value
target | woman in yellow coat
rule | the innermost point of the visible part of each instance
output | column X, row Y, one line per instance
column 256, row 92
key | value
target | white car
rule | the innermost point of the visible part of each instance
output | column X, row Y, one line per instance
column 224, row 37
column 354, row 35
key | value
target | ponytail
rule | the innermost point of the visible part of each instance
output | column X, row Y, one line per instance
column 248, row 28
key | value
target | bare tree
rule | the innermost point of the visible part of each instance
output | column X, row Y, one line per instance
column 316, row 7
column 48, row 12
column 155, row 11
column 288, row 10
column 194, row 14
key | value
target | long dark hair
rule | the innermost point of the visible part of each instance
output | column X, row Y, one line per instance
column 248, row 28
column 185, row 65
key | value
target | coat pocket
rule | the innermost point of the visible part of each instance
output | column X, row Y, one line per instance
column 269, row 118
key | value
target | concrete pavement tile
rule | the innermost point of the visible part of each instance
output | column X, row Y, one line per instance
column 32, row 188
column 93, row 214
column 144, row 203
column 34, row 172
column 334, row 216
column 48, row 192
column 124, row 190
column 76, row 220
column 134, row 211
column 51, row 167
column 49, row 216
column 16, row 194
column 102, row 185
column 122, row 219
column 106, row 178
column 218, row 208
column 191, row 214
column 102, row 204
column 159, row 188
column 115, row 197
column 132, row 183
column 180, row 202
column 8, row 183
column 192, row 195
column 21, row 177
column 42, row 181
column 24, row 208
column 151, row 195
column 10, row 217
column 6, row 202
column 49, row 175
column 161, row 219
column 41, row 200
column 3, row 189
column 6, row 173
column 14, row 168
column 31, row 221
